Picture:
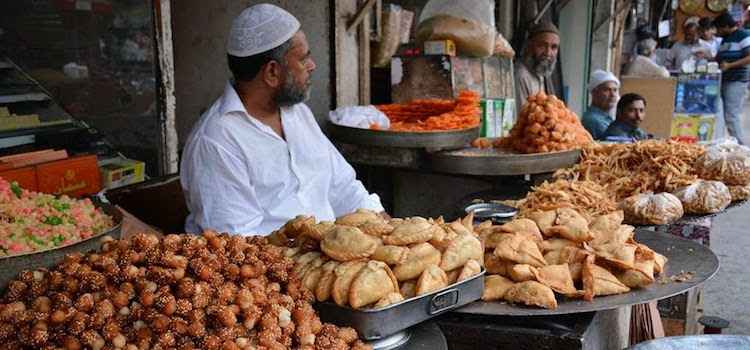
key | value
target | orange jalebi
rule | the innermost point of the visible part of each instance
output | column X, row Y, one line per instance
column 434, row 114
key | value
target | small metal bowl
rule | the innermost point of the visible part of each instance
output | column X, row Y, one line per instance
column 491, row 211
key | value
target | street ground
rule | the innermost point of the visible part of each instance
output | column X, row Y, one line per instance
column 726, row 294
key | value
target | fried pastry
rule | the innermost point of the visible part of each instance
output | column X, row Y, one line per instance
column 621, row 256
column 432, row 279
column 420, row 256
column 452, row 275
column 619, row 235
column 390, row 299
column 376, row 228
column 496, row 265
column 358, row 217
column 293, row 228
column 739, row 193
column 598, row 281
column 409, row 289
column 278, row 238
column 659, row 262
column 315, row 263
column 345, row 243
column 303, row 260
column 522, row 273
column 531, row 293
column 442, row 237
column 345, row 274
column 327, row 277
column 525, row 227
column 571, row 225
column 311, row 278
column 495, row 287
column 607, row 222
column 413, row 230
column 316, row 231
column 391, row 254
column 491, row 237
column 471, row 268
column 520, row 250
column 556, row 244
column 557, row 277
column 460, row 250
column 372, row 283
column 544, row 220
column 639, row 276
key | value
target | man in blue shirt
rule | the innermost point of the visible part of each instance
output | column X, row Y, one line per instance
column 631, row 110
column 605, row 91
column 734, row 61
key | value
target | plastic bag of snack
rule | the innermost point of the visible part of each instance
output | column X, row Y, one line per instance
column 469, row 23
column 391, row 36
column 652, row 209
column 704, row 197
column 727, row 162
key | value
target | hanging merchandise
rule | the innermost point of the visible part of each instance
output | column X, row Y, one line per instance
column 691, row 7
column 718, row 5
column 470, row 24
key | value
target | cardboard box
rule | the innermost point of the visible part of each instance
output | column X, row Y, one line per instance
column 440, row 47
column 442, row 76
column 25, row 177
column 492, row 117
column 119, row 172
column 693, row 127
column 659, row 94
column 75, row 177
column 697, row 93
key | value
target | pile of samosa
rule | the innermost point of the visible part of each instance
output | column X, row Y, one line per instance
column 530, row 259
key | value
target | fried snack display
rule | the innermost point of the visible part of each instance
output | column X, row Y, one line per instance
column 180, row 292
column 704, row 197
column 728, row 163
column 600, row 258
column 545, row 125
column 434, row 114
column 360, row 268
column 652, row 209
column 646, row 166
column 587, row 197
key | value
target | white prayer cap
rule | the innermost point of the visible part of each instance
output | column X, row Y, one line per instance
column 599, row 77
column 692, row 20
column 260, row 28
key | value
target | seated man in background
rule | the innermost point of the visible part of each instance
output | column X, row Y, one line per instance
column 605, row 91
column 631, row 110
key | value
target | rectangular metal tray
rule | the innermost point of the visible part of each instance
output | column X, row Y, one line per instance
column 372, row 324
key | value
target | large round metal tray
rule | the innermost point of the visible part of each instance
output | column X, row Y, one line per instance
column 500, row 162
column 683, row 255
column 13, row 265
column 451, row 139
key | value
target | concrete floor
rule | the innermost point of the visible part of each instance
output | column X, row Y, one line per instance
column 726, row 294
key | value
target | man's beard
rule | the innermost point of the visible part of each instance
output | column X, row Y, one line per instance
column 292, row 94
column 541, row 66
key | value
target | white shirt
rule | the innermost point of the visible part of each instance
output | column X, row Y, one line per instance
column 239, row 176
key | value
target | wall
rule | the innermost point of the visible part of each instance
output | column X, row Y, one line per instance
column 575, row 23
column 199, row 33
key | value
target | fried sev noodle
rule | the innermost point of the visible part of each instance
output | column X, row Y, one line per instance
column 588, row 197
column 628, row 169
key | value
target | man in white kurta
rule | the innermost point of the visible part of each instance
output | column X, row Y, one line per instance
column 248, row 175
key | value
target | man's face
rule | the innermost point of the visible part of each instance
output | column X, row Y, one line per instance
column 708, row 33
column 691, row 34
column 297, row 70
column 724, row 31
column 605, row 96
column 634, row 113
column 543, row 52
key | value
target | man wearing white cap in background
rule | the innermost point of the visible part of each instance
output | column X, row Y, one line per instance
column 257, row 157
column 690, row 47
column 605, row 91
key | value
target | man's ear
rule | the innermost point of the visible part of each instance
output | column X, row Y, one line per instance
column 272, row 74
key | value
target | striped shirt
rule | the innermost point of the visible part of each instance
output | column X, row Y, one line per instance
column 735, row 47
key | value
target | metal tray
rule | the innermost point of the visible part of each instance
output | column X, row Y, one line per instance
column 450, row 139
column 683, row 255
column 13, row 265
column 500, row 162
column 374, row 324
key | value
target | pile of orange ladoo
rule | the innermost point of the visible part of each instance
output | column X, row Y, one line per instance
column 433, row 114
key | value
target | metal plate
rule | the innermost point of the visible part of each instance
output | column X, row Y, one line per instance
column 683, row 255
column 451, row 139
column 13, row 265
column 494, row 162
column 705, row 342
column 380, row 323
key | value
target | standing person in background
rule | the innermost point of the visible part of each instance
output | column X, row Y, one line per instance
column 708, row 34
column 534, row 71
column 644, row 64
column 734, row 62
column 631, row 111
column 605, row 91
column 690, row 47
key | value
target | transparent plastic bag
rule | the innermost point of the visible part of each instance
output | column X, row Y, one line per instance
column 725, row 161
column 469, row 23
column 391, row 37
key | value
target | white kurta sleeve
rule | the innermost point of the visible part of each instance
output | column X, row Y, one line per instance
column 347, row 193
column 220, row 191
